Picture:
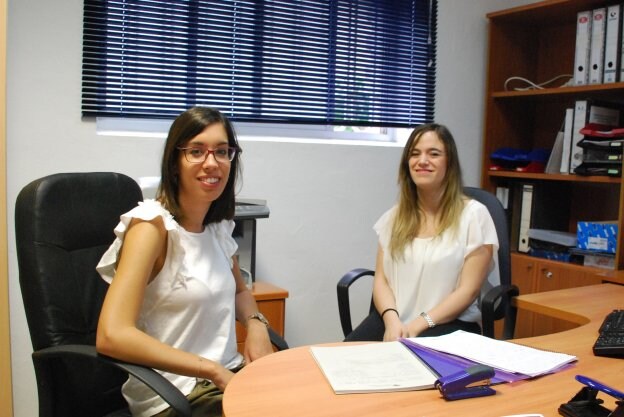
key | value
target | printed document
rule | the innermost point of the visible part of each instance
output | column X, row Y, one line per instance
column 373, row 367
column 499, row 354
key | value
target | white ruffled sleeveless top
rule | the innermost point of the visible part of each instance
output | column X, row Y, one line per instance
column 189, row 304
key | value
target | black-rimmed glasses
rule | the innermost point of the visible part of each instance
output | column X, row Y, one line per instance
column 197, row 155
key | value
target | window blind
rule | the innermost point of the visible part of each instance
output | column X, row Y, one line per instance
column 341, row 62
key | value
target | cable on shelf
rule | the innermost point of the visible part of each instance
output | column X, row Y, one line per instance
column 533, row 86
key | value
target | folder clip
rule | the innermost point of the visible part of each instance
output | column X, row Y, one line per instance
column 470, row 383
column 586, row 404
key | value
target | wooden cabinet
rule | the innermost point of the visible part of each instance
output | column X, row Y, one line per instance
column 537, row 42
column 533, row 275
column 271, row 302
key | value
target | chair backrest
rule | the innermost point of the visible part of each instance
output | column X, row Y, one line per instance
column 63, row 225
column 497, row 212
column 499, row 307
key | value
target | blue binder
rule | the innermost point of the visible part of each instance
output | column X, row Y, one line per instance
column 445, row 364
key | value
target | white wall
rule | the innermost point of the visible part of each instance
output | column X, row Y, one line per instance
column 323, row 198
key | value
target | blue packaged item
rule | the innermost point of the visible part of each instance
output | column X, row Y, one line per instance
column 549, row 254
column 510, row 155
column 597, row 236
column 539, row 155
column 511, row 158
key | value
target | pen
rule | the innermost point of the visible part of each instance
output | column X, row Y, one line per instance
column 592, row 383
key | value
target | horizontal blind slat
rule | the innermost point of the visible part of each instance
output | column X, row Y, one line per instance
column 368, row 62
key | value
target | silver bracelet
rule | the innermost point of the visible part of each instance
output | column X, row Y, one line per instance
column 428, row 319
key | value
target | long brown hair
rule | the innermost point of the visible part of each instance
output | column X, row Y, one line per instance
column 185, row 127
column 409, row 215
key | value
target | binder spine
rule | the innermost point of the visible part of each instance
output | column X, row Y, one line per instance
column 613, row 35
column 567, row 140
column 580, row 119
column 525, row 217
column 581, row 55
column 596, row 59
column 620, row 68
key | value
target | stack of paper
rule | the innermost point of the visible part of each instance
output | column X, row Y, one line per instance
column 506, row 356
column 373, row 367
column 416, row 363
column 445, row 364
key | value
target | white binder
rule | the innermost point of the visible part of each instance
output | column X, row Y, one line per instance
column 580, row 120
column 581, row 52
column 525, row 217
column 597, row 48
column 567, row 140
column 613, row 32
column 621, row 48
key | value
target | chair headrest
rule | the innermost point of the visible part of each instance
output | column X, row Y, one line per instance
column 69, row 209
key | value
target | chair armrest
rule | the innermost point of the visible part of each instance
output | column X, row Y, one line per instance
column 497, row 305
column 277, row 340
column 159, row 384
column 344, row 305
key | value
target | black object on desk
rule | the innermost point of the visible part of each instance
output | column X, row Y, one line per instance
column 587, row 404
column 610, row 341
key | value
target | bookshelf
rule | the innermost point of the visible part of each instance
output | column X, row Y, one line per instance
column 537, row 42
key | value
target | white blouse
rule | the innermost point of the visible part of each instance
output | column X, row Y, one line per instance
column 431, row 267
column 189, row 305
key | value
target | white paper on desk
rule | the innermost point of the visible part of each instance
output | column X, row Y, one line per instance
column 500, row 354
column 372, row 367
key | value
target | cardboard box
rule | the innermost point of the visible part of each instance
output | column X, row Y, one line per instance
column 597, row 236
column 599, row 260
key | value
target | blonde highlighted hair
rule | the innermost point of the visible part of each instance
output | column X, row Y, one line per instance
column 409, row 216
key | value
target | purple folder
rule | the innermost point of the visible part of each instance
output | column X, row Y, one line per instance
column 446, row 364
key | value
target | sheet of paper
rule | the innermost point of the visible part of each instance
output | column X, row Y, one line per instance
column 500, row 354
column 445, row 364
column 372, row 367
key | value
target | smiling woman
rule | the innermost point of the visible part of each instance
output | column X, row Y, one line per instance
column 204, row 170
column 199, row 129
column 436, row 247
column 175, row 286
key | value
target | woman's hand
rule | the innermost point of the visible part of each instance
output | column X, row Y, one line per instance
column 221, row 377
column 394, row 327
column 415, row 327
column 257, row 343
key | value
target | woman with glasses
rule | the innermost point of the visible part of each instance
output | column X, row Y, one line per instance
column 436, row 247
column 175, row 287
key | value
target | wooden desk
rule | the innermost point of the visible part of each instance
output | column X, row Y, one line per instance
column 271, row 302
column 289, row 383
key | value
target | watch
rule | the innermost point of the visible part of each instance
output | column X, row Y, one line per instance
column 428, row 319
column 259, row 316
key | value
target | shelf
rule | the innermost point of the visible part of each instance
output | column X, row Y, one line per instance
column 555, row 177
column 596, row 90
column 537, row 42
column 546, row 12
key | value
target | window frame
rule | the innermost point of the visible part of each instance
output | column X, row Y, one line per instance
column 272, row 130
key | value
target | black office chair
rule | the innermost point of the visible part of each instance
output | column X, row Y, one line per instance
column 495, row 304
column 63, row 225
